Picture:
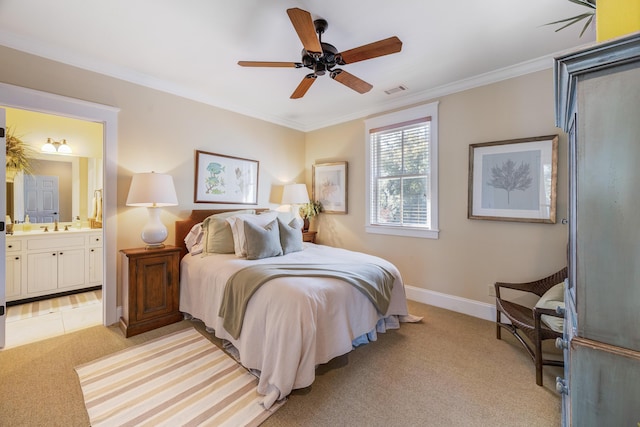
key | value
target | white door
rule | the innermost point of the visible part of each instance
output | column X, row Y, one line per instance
column 3, row 215
column 41, row 198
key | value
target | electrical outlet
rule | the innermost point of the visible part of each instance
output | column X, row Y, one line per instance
column 492, row 290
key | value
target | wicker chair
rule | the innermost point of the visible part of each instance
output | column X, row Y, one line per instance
column 527, row 320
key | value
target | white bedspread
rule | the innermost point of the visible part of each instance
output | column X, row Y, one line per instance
column 291, row 324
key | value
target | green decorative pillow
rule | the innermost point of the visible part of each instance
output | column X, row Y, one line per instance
column 552, row 299
column 237, row 228
column 290, row 236
column 262, row 242
column 218, row 238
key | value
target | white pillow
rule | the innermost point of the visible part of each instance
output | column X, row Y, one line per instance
column 552, row 299
column 194, row 238
column 237, row 228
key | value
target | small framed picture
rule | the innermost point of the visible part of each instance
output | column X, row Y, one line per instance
column 514, row 180
column 225, row 179
column 330, row 186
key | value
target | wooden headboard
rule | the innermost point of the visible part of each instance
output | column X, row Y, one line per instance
column 183, row 226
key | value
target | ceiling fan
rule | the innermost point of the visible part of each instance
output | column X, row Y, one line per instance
column 322, row 57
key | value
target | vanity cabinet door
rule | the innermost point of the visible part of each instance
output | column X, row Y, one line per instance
column 13, row 276
column 71, row 268
column 55, row 270
column 13, row 268
column 42, row 272
column 95, row 266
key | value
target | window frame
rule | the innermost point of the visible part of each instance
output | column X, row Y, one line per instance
column 387, row 121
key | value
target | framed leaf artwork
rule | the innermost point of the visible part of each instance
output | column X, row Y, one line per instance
column 514, row 180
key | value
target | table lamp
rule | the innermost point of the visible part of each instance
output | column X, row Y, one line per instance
column 153, row 191
column 295, row 195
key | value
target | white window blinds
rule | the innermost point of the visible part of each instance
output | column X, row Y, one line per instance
column 400, row 174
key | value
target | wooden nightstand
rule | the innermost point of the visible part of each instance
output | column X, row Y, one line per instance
column 150, row 289
column 309, row 236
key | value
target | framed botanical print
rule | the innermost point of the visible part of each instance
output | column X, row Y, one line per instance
column 330, row 186
column 225, row 179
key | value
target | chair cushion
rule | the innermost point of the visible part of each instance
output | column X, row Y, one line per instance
column 552, row 299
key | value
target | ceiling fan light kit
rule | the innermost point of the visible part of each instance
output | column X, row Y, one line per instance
column 321, row 58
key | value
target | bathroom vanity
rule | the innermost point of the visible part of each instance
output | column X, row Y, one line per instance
column 42, row 263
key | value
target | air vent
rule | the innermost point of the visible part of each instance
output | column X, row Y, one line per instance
column 395, row 90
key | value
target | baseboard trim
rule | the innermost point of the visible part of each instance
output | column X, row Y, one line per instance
column 467, row 306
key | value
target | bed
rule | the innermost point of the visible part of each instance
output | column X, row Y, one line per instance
column 291, row 324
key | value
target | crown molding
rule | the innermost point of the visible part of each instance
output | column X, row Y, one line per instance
column 41, row 49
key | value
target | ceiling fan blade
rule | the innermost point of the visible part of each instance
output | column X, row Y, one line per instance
column 269, row 64
column 303, row 24
column 304, row 86
column 372, row 50
column 351, row 81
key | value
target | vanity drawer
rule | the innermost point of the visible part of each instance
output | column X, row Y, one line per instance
column 13, row 245
column 95, row 240
column 55, row 242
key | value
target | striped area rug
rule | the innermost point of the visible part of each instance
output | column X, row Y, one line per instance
column 181, row 379
column 53, row 305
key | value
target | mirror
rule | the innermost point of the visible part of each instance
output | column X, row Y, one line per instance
column 76, row 179
column 79, row 174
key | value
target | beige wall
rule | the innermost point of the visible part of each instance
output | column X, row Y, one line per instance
column 469, row 254
column 158, row 131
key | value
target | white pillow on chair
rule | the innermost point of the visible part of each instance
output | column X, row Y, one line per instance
column 552, row 299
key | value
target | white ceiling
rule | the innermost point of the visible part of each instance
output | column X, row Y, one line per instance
column 191, row 48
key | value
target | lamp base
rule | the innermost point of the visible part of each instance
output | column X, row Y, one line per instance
column 154, row 232
column 154, row 246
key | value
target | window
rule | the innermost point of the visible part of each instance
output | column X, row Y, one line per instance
column 402, row 172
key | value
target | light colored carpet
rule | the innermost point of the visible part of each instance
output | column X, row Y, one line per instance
column 179, row 379
column 449, row 370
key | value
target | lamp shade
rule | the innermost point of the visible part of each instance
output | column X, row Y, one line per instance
column 152, row 189
column 48, row 147
column 64, row 147
column 295, row 194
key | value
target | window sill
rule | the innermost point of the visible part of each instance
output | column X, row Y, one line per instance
column 403, row 231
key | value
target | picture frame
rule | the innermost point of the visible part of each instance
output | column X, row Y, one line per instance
column 514, row 180
column 329, row 186
column 225, row 179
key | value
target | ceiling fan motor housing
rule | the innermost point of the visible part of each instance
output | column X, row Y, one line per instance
column 329, row 58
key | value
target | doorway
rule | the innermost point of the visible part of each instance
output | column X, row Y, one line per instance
column 57, row 189
column 32, row 100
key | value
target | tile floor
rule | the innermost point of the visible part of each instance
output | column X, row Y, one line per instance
column 23, row 330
